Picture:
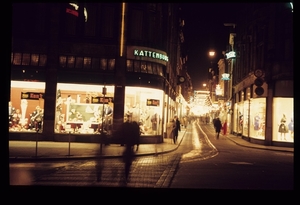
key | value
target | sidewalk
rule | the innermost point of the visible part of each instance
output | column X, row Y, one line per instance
column 29, row 150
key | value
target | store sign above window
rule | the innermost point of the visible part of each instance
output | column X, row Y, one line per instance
column 151, row 54
column 103, row 100
column 230, row 54
column 31, row 95
column 147, row 54
column 152, row 102
column 225, row 76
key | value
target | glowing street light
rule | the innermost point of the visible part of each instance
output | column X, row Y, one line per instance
column 211, row 53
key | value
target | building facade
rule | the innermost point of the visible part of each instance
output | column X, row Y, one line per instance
column 79, row 69
column 261, row 108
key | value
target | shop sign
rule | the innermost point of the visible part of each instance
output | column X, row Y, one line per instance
column 225, row 76
column 231, row 54
column 102, row 100
column 31, row 95
column 151, row 54
column 147, row 54
column 152, row 102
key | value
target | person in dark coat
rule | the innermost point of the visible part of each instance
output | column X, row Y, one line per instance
column 131, row 132
column 176, row 129
column 218, row 126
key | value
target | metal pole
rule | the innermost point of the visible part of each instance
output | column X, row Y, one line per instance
column 69, row 153
column 36, row 142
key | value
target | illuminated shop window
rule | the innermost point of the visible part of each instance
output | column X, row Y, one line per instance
column 26, row 106
column 283, row 119
column 144, row 105
column 83, row 109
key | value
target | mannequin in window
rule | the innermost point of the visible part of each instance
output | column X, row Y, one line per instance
column 291, row 128
column 256, row 123
column 36, row 118
column 283, row 127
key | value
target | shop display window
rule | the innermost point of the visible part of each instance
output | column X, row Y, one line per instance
column 26, row 106
column 83, row 109
column 145, row 106
column 257, row 118
column 283, row 119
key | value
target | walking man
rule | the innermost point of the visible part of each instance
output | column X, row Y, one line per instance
column 176, row 129
column 218, row 126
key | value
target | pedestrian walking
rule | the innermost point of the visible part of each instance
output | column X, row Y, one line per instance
column 218, row 126
column 131, row 132
column 176, row 129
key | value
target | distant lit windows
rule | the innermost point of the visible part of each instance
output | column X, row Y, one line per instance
column 95, row 63
column 144, row 67
column 35, row 59
column 79, row 62
column 27, row 59
column 62, row 61
column 71, row 61
column 103, row 63
column 87, row 61
column 129, row 65
column 111, row 64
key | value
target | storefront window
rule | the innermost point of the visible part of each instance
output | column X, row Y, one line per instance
column 283, row 119
column 83, row 109
column 258, row 118
column 26, row 106
column 145, row 106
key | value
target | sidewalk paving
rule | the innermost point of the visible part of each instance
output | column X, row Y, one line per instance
column 41, row 150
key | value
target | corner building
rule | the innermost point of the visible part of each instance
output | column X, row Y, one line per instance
column 80, row 68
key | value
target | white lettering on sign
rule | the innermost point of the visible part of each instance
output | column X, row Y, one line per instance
column 150, row 54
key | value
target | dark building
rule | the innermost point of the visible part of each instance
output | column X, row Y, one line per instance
column 78, row 69
column 261, row 107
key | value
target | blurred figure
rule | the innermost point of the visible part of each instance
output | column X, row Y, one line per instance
column 99, row 165
column 218, row 126
column 131, row 134
column 176, row 129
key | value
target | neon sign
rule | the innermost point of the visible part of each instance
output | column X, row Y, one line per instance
column 151, row 54
column 225, row 76
column 231, row 54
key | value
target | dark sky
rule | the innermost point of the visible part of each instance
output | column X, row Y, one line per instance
column 204, row 30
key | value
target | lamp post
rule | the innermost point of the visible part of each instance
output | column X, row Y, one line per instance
column 212, row 73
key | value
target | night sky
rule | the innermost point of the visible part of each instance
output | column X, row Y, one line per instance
column 204, row 30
